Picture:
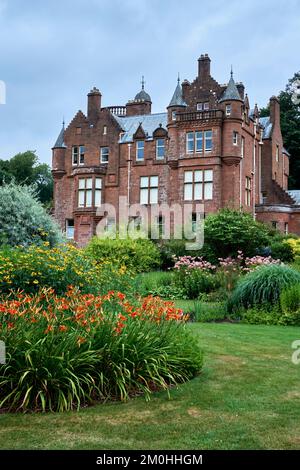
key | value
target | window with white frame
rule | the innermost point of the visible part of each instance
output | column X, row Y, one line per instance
column 208, row 140
column 104, row 154
column 286, row 228
column 228, row 109
column 85, row 192
column 160, row 149
column 235, row 138
column 104, row 130
column 199, row 141
column 198, row 185
column 243, row 147
column 78, row 155
column 190, row 144
column 248, row 191
column 199, row 106
column 149, row 190
column 277, row 153
column 70, row 229
column 206, row 106
column 140, row 146
column 98, row 192
column 89, row 192
column 194, row 141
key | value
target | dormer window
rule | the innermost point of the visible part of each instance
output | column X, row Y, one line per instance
column 160, row 149
column 203, row 106
column 78, row 155
column 228, row 109
column 140, row 146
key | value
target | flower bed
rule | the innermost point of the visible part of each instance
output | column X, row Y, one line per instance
column 66, row 352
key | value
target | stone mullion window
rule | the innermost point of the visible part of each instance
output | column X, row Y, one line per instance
column 78, row 153
column 149, row 190
column 89, row 192
column 199, row 141
column 248, row 191
column 198, row 185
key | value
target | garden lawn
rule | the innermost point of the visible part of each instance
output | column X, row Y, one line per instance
column 248, row 397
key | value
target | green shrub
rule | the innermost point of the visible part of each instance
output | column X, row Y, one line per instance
column 159, row 283
column 229, row 231
column 194, row 282
column 63, row 353
column 201, row 311
column 290, row 305
column 30, row 268
column 210, row 312
column 170, row 249
column 262, row 286
column 290, row 299
column 282, row 251
column 137, row 255
column 261, row 315
column 23, row 219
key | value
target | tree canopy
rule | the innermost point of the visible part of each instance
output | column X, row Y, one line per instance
column 290, row 127
column 25, row 168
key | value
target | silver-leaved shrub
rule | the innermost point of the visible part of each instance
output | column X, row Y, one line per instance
column 23, row 219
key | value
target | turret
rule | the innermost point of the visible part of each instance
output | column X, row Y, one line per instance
column 141, row 103
column 176, row 104
column 58, row 153
column 232, row 104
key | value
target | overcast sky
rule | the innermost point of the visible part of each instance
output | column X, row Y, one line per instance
column 52, row 52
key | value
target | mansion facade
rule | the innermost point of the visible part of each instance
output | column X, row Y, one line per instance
column 208, row 147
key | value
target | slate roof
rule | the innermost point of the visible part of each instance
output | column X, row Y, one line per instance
column 142, row 96
column 231, row 93
column 60, row 139
column 267, row 126
column 295, row 194
column 177, row 98
column 149, row 123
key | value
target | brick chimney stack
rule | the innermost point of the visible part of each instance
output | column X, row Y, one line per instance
column 274, row 110
column 94, row 104
column 203, row 67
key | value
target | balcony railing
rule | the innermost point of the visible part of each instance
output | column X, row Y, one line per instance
column 200, row 115
column 118, row 110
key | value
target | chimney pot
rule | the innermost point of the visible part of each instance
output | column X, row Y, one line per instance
column 204, row 67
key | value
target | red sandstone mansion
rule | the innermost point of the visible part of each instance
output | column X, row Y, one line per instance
column 208, row 147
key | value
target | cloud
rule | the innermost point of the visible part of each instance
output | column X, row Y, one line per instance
column 53, row 52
